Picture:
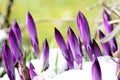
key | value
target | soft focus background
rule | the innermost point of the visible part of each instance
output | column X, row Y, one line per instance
column 52, row 13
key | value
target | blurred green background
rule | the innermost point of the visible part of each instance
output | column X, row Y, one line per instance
column 52, row 13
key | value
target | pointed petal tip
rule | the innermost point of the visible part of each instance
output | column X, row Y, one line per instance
column 101, row 34
column 96, row 70
column 29, row 17
column 45, row 54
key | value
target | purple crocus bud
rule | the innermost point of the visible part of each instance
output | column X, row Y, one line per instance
column 61, row 43
column 17, row 31
column 96, row 49
column 74, row 45
column 105, row 46
column 117, row 69
column 109, row 28
column 32, row 33
column 14, row 47
column 71, row 60
column 31, row 71
column 8, row 61
column 84, row 30
column 63, row 47
column 45, row 53
column 96, row 70
column 89, row 50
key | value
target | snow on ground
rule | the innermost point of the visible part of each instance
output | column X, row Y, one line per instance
column 108, row 68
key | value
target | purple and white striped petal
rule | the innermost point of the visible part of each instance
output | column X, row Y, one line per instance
column 96, row 70
column 84, row 30
column 14, row 47
column 71, row 59
column 17, row 32
column 109, row 28
column 105, row 46
column 74, row 45
column 8, row 61
column 32, row 33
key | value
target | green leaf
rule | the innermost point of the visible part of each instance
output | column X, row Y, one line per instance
column 86, row 56
column 3, row 73
column 56, row 63
column 43, row 68
column 118, row 73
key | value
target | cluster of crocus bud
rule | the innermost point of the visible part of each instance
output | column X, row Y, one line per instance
column 13, row 57
column 71, row 50
column 91, row 46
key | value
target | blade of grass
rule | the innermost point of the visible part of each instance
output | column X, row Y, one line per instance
column 111, row 35
column 56, row 64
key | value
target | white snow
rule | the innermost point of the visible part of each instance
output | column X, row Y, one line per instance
column 3, row 35
column 108, row 68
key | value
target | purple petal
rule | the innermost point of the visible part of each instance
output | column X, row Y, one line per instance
column 105, row 46
column 109, row 28
column 32, row 33
column 80, row 45
column 45, row 52
column 96, row 49
column 74, row 45
column 106, row 19
column 17, row 31
column 83, row 28
column 61, row 43
column 63, row 47
column 89, row 50
column 32, row 72
column 31, row 66
column 71, row 59
column 14, row 47
column 96, row 70
column 8, row 61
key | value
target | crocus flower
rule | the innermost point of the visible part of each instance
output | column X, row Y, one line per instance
column 96, row 49
column 32, row 33
column 96, row 70
column 17, row 32
column 105, row 46
column 109, row 28
column 62, row 45
column 71, row 60
column 45, row 53
column 74, row 45
column 8, row 61
column 31, row 71
column 14, row 47
column 83, row 28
